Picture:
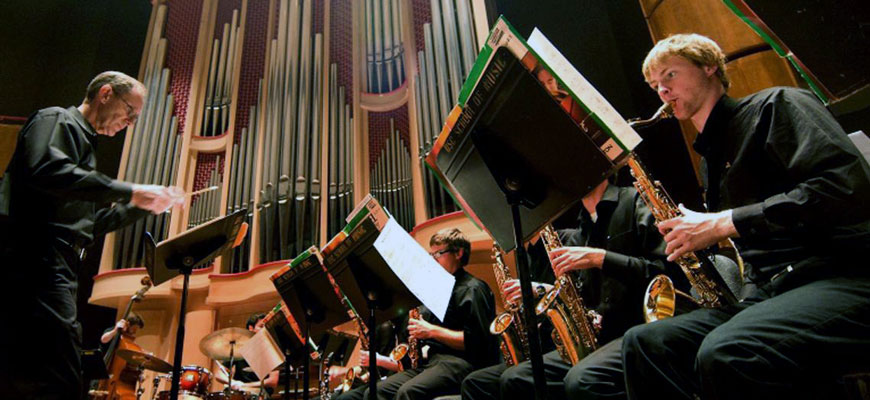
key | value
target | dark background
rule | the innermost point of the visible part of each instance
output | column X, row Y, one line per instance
column 50, row 50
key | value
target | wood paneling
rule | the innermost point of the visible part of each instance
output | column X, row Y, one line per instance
column 710, row 18
column 8, row 138
column 757, row 71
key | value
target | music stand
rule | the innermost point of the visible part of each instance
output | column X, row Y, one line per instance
column 283, row 327
column 178, row 255
column 368, row 282
column 490, row 148
column 307, row 292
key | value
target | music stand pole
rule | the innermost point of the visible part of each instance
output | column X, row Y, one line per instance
column 186, row 269
column 286, row 395
column 373, row 366
column 537, row 359
column 307, row 364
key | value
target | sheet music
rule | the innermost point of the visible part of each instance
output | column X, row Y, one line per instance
column 262, row 353
column 416, row 268
column 583, row 89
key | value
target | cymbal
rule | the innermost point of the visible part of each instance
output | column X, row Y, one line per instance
column 146, row 360
column 217, row 344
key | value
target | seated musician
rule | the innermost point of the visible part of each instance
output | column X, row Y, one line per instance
column 786, row 183
column 451, row 349
column 388, row 338
column 484, row 383
column 614, row 252
column 243, row 377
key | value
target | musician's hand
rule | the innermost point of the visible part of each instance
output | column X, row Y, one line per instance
column 420, row 329
column 695, row 231
column 336, row 372
column 121, row 325
column 511, row 291
column 363, row 358
column 572, row 258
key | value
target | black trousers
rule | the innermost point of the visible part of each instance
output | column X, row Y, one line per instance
column 483, row 383
column 792, row 345
column 517, row 382
column 39, row 358
column 599, row 375
column 357, row 393
column 441, row 376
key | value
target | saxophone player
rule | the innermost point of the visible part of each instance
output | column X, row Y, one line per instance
column 388, row 337
column 484, row 383
column 452, row 348
column 614, row 252
column 788, row 186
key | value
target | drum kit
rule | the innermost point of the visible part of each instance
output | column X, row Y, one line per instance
column 195, row 381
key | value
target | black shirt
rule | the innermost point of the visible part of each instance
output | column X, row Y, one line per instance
column 471, row 310
column 798, row 186
column 635, row 254
column 51, row 189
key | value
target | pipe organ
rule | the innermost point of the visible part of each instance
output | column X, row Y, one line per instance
column 391, row 179
column 151, row 158
column 385, row 56
column 271, row 109
column 449, row 50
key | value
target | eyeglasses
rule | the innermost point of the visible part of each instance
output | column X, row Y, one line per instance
column 131, row 118
column 439, row 253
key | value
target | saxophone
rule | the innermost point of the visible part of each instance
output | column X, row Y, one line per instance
column 357, row 371
column 509, row 324
column 325, row 394
column 410, row 349
column 661, row 300
column 413, row 343
column 573, row 329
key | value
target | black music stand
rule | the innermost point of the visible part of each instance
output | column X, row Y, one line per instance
column 288, row 340
column 513, row 137
column 307, row 292
column 369, row 284
column 178, row 256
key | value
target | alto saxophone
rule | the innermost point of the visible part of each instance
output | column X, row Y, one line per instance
column 573, row 328
column 410, row 349
column 509, row 324
column 661, row 299
column 325, row 394
column 413, row 343
column 357, row 371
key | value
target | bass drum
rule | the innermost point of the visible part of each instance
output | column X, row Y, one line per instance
column 164, row 395
column 231, row 395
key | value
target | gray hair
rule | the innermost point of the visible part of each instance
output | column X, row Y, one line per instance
column 120, row 82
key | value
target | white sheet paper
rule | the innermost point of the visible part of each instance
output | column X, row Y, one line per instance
column 262, row 353
column 426, row 279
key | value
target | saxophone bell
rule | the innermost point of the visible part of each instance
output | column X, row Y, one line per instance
column 399, row 352
column 548, row 301
column 662, row 300
column 501, row 323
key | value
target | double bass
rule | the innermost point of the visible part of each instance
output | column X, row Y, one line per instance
column 121, row 383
